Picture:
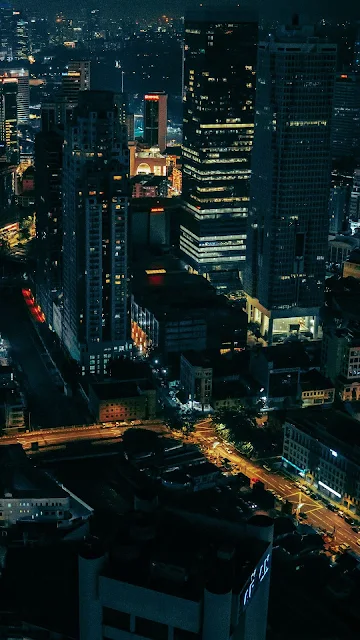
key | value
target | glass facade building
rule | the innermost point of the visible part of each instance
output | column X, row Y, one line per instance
column 95, row 219
column 289, row 220
column 218, row 127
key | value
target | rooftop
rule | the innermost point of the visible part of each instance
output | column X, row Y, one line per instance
column 168, row 294
column 20, row 478
column 287, row 356
column 197, row 359
column 332, row 426
column 313, row 379
column 115, row 390
column 180, row 558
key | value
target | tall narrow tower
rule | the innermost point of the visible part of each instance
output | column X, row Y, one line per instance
column 219, row 91
column 288, row 222
column 95, row 215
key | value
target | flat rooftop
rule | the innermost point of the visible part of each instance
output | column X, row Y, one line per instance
column 168, row 294
column 330, row 425
column 20, row 478
column 313, row 379
column 115, row 390
column 181, row 557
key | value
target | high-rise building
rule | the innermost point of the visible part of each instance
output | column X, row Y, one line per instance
column 21, row 45
column 75, row 79
column 346, row 117
column 6, row 31
column 9, row 144
column 219, row 90
column 20, row 73
column 288, row 222
column 155, row 119
column 83, row 67
column 95, row 215
column 339, row 202
column 354, row 206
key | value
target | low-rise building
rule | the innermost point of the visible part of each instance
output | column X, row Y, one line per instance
column 26, row 493
column 13, row 408
column 175, row 576
column 324, row 447
column 196, row 378
column 118, row 401
column 351, row 266
column 175, row 311
column 316, row 389
column 341, row 360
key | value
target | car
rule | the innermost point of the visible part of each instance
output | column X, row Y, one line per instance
column 356, row 529
column 331, row 507
column 349, row 520
column 303, row 515
column 358, row 542
column 307, row 491
column 340, row 514
column 314, row 496
column 266, row 467
column 344, row 546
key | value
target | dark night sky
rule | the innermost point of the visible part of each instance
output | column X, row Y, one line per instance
column 139, row 8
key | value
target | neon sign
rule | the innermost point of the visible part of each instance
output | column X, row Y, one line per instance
column 256, row 578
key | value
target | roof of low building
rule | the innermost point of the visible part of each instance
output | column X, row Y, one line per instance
column 313, row 379
column 115, row 390
column 20, row 478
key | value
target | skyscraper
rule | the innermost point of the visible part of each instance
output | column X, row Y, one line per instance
column 9, row 120
column 76, row 78
column 288, row 222
column 95, row 214
column 155, row 119
column 19, row 72
column 20, row 27
column 346, row 120
column 6, row 31
column 219, row 90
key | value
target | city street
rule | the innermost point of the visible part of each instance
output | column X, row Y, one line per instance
column 52, row 437
column 48, row 405
column 318, row 514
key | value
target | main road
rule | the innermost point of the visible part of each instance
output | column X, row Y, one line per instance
column 48, row 405
column 317, row 513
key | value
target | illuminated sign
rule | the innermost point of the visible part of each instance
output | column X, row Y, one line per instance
column 255, row 580
column 149, row 97
column 151, row 272
column 325, row 486
column 157, row 209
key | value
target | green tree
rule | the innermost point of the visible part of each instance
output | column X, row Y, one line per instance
column 238, row 426
column 185, row 422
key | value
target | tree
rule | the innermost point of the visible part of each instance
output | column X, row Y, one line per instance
column 184, row 422
column 238, row 426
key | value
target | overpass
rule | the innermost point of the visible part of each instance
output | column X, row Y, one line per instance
column 47, row 438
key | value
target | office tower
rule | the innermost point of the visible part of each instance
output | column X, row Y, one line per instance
column 125, row 117
column 82, row 67
column 219, row 90
column 339, row 202
column 155, row 119
column 6, row 31
column 55, row 115
column 346, row 118
column 21, row 44
column 95, row 211
column 20, row 73
column 356, row 61
column 75, row 79
column 354, row 207
column 288, row 222
column 9, row 120
column 56, row 112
